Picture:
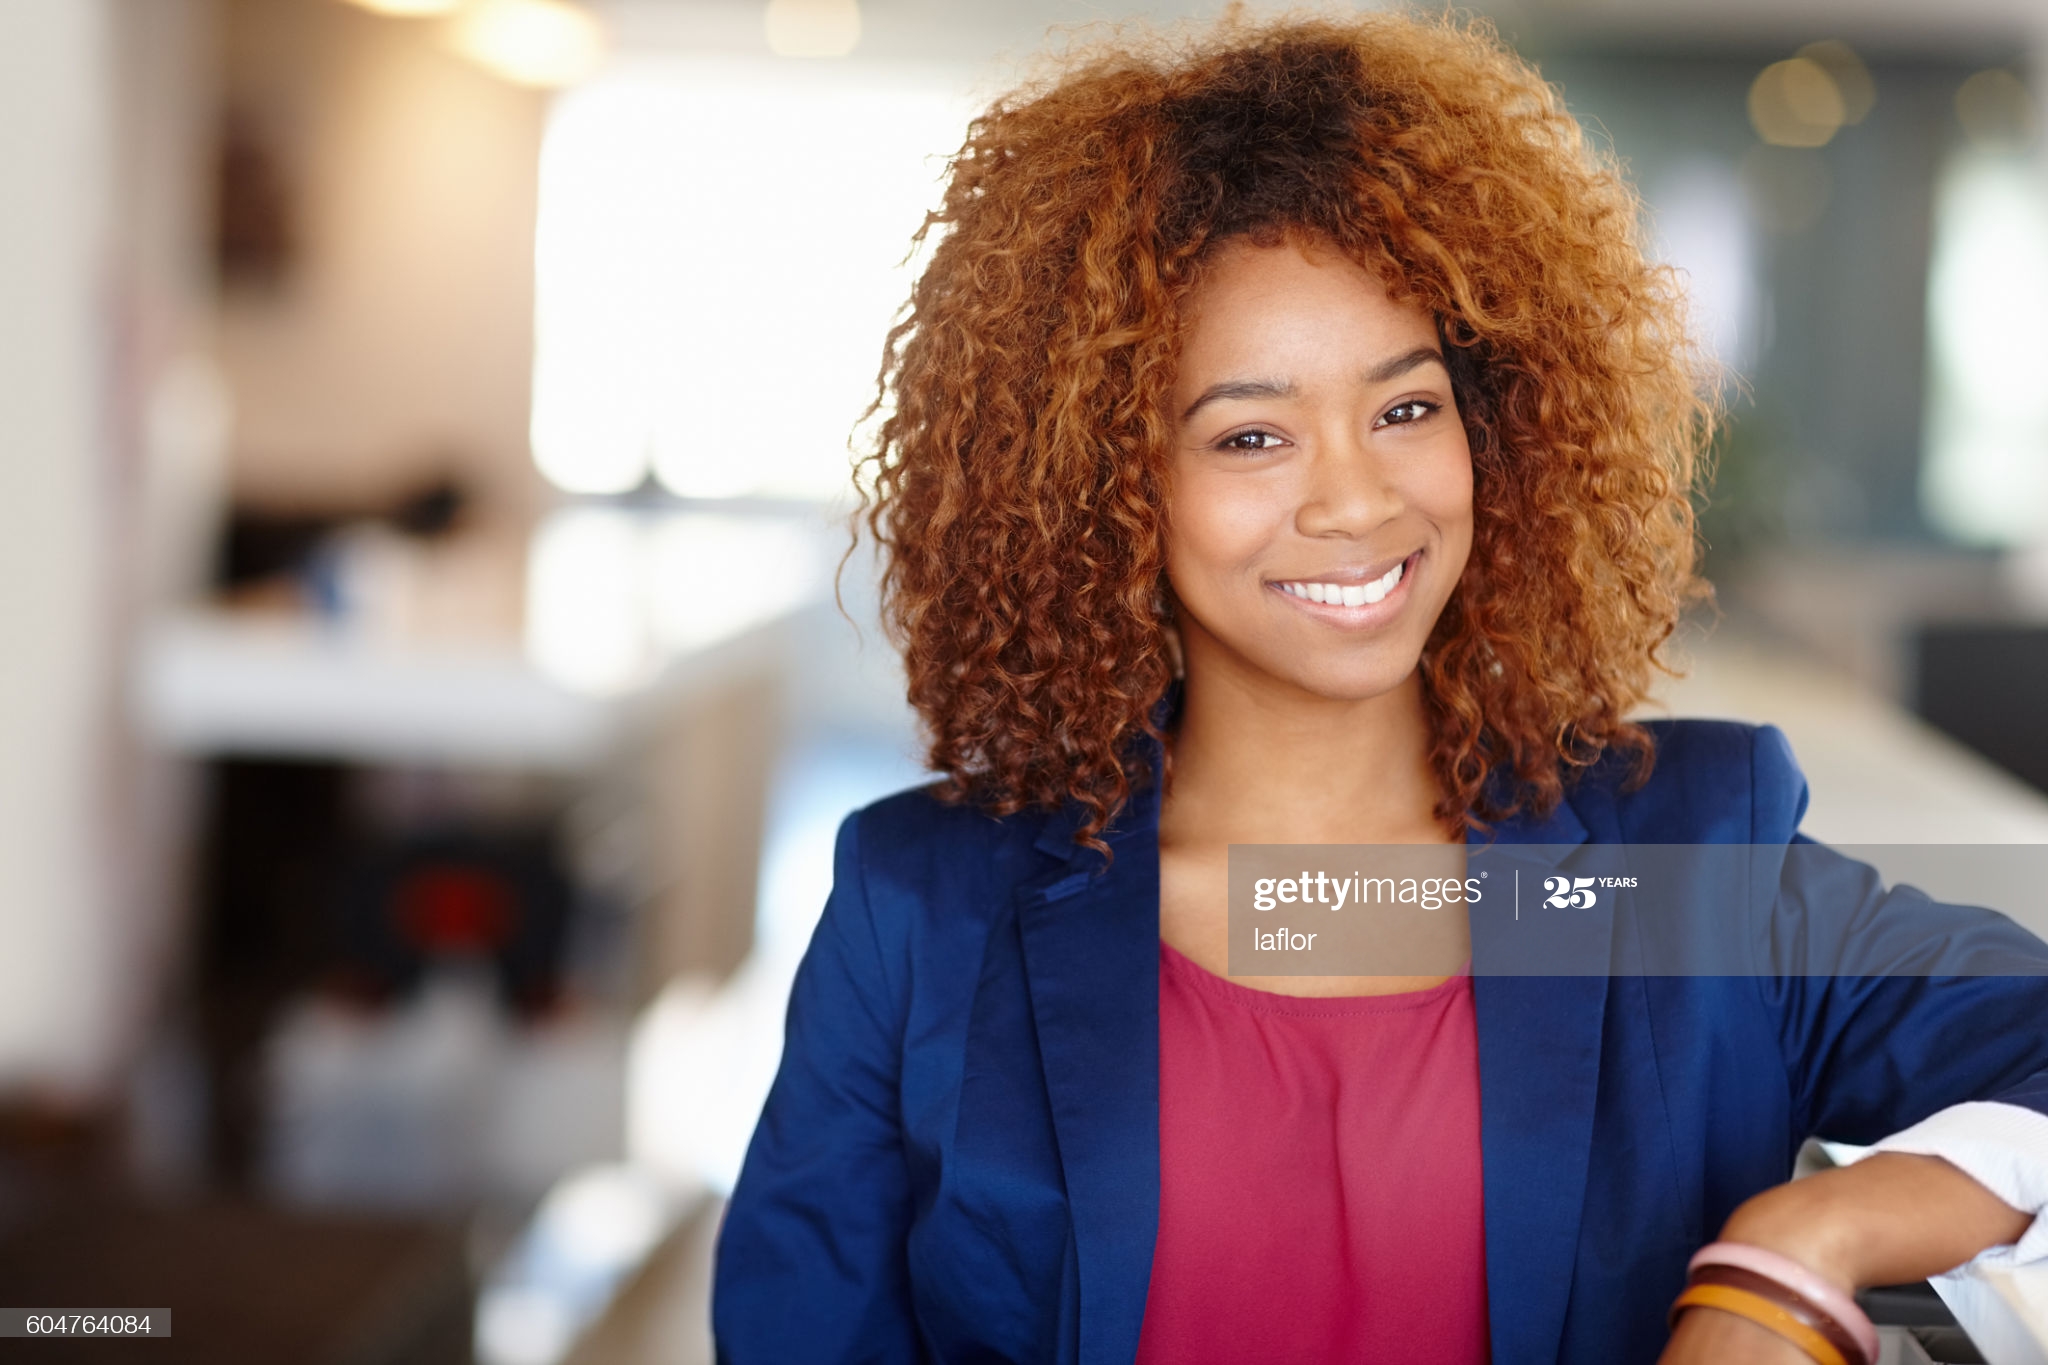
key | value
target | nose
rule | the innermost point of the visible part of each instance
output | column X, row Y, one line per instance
column 1346, row 490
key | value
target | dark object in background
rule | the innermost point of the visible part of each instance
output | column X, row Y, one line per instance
column 272, row 839
column 258, row 545
column 1987, row 686
column 299, row 892
column 255, row 229
column 246, row 1283
column 1918, row 1309
column 453, row 894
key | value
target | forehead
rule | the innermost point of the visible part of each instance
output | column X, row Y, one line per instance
column 1302, row 305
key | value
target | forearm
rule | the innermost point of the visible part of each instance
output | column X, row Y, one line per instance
column 1891, row 1218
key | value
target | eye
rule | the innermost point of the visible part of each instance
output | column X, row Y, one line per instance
column 1254, row 439
column 1414, row 410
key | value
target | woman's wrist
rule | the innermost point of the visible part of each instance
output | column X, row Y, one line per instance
column 1891, row 1218
column 1815, row 1226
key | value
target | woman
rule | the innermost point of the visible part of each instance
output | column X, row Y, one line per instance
column 1317, row 364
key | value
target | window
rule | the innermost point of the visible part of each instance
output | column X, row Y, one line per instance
column 720, row 253
column 1985, row 479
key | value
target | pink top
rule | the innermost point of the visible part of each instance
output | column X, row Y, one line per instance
column 1319, row 1176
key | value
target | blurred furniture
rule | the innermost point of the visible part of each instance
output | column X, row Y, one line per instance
column 663, row 1315
column 696, row 741
column 246, row 1283
column 1982, row 684
column 1877, row 774
column 1916, row 1311
column 369, row 686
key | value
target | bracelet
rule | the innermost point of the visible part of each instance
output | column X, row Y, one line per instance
column 1765, row 1287
column 1763, row 1313
column 1819, row 1295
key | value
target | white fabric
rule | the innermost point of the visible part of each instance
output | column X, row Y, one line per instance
column 2004, row 1148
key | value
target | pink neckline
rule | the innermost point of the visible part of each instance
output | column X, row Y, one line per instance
column 1187, row 970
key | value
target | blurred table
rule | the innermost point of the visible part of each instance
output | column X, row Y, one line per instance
column 416, row 658
column 221, row 682
column 1878, row 775
column 245, row 1283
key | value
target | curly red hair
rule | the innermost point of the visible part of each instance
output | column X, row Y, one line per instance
column 1017, row 482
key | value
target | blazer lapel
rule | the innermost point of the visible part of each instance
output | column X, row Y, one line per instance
column 1091, row 952
column 1539, row 1069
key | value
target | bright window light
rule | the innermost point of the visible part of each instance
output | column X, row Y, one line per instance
column 1700, row 229
column 584, row 624
column 719, row 256
column 612, row 594
column 1985, row 478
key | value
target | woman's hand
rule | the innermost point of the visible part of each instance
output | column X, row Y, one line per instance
column 1891, row 1218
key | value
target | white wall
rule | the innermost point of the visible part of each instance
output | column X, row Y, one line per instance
column 55, row 480
column 406, row 328
column 109, row 450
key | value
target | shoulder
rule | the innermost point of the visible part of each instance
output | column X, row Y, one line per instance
column 912, row 851
column 1711, row 781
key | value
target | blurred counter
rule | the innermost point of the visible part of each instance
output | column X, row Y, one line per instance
column 1878, row 775
column 626, row 613
column 225, row 682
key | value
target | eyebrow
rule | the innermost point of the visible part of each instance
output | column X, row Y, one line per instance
column 1402, row 364
column 1390, row 369
column 1241, row 388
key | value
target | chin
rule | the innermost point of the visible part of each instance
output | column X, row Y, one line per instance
column 1349, row 681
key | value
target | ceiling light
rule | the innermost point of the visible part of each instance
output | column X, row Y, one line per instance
column 408, row 9
column 1851, row 76
column 529, row 42
column 1796, row 103
column 812, row 28
column 1995, row 108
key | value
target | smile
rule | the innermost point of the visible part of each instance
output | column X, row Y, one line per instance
column 1348, row 594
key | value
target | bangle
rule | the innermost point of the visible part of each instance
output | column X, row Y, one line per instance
column 1819, row 1295
column 1764, row 1313
column 1765, row 1287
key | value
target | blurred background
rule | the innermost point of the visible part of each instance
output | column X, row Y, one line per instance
column 425, row 716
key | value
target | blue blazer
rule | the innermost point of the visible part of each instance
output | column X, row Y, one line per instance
column 959, row 1160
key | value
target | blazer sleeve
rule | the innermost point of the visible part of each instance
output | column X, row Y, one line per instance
column 811, row 1262
column 1890, row 1005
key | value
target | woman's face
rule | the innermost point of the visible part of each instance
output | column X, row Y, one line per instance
column 1320, row 485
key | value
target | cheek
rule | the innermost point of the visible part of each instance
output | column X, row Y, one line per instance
column 1442, row 489
column 1219, row 523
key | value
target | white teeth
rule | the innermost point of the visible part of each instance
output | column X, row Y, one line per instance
column 1347, row 594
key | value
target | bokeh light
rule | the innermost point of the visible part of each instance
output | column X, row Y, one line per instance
column 1786, row 189
column 1853, row 81
column 543, row 43
column 1796, row 103
column 1995, row 109
column 409, row 9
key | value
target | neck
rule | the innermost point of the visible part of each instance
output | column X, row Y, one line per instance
column 1258, row 761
